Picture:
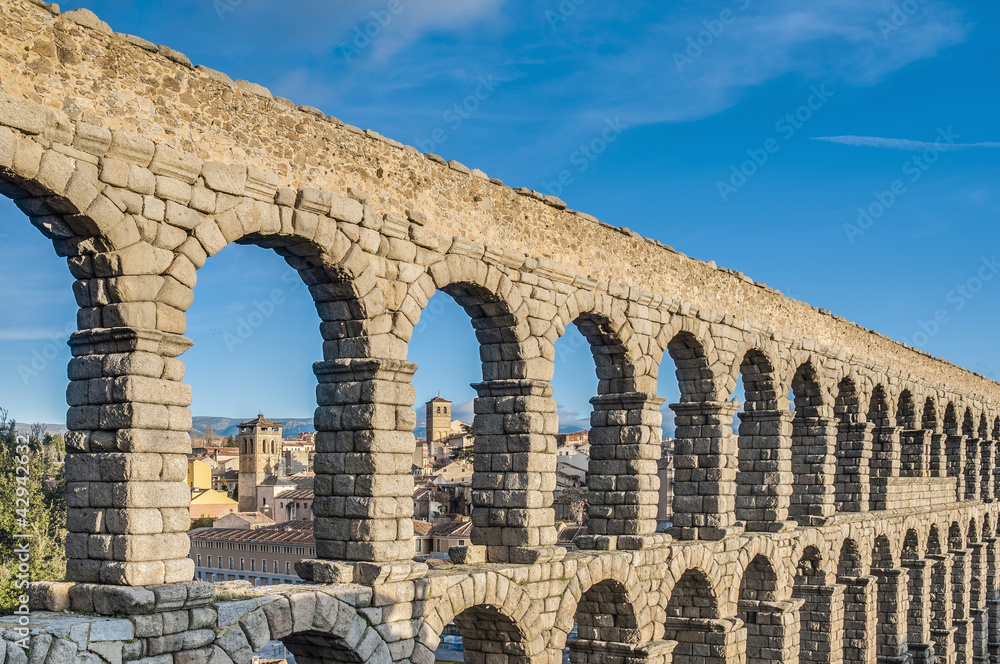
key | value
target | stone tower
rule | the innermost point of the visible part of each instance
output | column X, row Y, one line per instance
column 438, row 419
column 259, row 441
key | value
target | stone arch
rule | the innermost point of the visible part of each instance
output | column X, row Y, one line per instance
column 690, row 345
column 692, row 619
column 768, row 553
column 493, row 614
column 850, row 562
column 757, row 590
column 764, row 437
column 626, row 422
column 603, row 321
column 970, row 454
column 616, row 587
column 853, row 448
column 813, row 444
column 906, row 410
column 885, row 458
column 515, row 421
column 315, row 626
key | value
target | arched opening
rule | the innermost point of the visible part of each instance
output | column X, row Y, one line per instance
column 513, row 430
column 705, row 461
column 853, row 450
column 885, row 448
column 892, row 599
column 940, row 587
column 821, row 632
column 39, row 315
column 960, row 580
column 621, row 478
column 813, row 462
column 995, row 444
column 487, row 634
column 987, row 460
column 953, row 449
column 693, row 621
column 915, row 443
column 918, row 619
column 858, row 608
column 248, row 398
column 763, row 478
column 757, row 610
column 447, row 355
column 606, row 623
column 971, row 456
column 938, row 463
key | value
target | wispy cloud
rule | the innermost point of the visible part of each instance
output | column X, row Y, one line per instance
column 904, row 143
column 33, row 334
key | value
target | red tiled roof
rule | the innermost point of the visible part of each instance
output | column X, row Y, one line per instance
column 259, row 421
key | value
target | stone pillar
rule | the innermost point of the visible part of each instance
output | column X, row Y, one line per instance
column 960, row 583
column 939, row 455
column 127, row 502
column 915, row 446
column 821, row 636
column 854, row 451
column 942, row 628
column 814, row 469
column 772, row 630
column 704, row 470
column 623, row 485
column 585, row 651
column 885, row 463
column 515, row 471
column 893, row 609
column 764, row 481
column 992, row 551
column 978, row 574
column 364, row 452
column 987, row 465
column 955, row 450
column 918, row 623
column 973, row 474
column 707, row 640
column 860, row 609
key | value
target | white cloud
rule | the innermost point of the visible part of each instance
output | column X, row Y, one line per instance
column 904, row 143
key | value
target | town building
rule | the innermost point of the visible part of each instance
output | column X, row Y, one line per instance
column 259, row 443
column 263, row 556
column 244, row 521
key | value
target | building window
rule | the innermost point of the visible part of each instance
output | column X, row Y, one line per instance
column 263, row 565
column 209, row 562
column 199, row 562
column 275, row 566
column 461, row 542
column 230, row 563
column 253, row 565
column 418, row 546
column 220, row 562
column 242, row 565
column 288, row 568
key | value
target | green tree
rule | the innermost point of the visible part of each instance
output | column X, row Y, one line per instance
column 44, row 518
column 467, row 451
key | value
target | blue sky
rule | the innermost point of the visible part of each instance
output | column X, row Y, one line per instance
column 899, row 235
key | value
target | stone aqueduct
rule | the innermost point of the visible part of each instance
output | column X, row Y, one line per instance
column 858, row 526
